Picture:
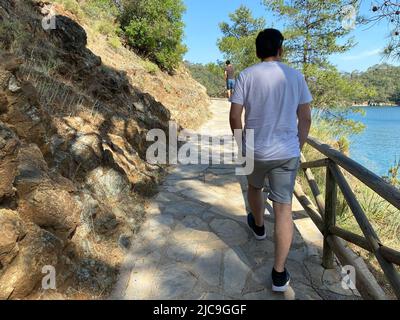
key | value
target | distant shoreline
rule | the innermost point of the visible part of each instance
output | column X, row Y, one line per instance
column 377, row 105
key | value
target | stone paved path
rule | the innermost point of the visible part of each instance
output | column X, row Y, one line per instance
column 195, row 243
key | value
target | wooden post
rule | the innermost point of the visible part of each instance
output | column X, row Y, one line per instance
column 328, row 256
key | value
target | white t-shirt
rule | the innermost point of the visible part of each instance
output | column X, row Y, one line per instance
column 271, row 93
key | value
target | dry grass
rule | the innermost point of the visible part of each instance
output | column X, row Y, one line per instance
column 384, row 217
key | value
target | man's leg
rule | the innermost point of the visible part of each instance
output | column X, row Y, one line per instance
column 284, row 229
column 257, row 206
column 282, row 180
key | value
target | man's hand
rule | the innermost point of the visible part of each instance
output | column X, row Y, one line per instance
column 305, row 120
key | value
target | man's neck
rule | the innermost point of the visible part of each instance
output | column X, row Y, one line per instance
column 272, row 59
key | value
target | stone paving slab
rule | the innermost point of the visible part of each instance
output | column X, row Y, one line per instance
column 195, row 243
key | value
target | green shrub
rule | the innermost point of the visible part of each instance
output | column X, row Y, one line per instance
column 210, row 76
column 105, row 27
column 114, row 42
column 73, row 6
column 150, row 67
column 14, row 35
column 103, row 9
column 155, row 30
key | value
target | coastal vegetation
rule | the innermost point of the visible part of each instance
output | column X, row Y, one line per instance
column 383, row 79
column 132, row 23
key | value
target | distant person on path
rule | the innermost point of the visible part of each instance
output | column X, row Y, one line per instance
column 229, row 78
column 276, row 100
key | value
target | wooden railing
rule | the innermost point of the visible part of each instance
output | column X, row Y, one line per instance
column 324, row 214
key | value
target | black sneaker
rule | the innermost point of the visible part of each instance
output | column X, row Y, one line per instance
column 259, row 232
column 280, row 281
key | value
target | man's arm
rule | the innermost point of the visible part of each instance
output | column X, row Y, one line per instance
column 235, row 117
column 226, row 75
column 305, row 120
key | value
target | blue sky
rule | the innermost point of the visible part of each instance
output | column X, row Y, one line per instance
column 202, row 31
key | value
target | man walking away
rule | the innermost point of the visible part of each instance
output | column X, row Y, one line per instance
column 229, row 78
column 276, row 100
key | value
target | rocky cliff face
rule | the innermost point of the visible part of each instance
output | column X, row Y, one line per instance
column 73, row 175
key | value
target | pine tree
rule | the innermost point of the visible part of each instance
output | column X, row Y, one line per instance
column 238, row 41
column 313, row 28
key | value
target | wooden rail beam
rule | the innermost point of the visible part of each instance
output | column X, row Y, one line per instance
column 364, row 285
column 367, row 229
column 376, row 183
column 389, row 254
column 314, row 164
column 309, row 207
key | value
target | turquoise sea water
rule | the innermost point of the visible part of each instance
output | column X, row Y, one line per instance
column 378, row 146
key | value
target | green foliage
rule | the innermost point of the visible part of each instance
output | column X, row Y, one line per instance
column 114, row 42
column 100, row 9
column 155, row 29
column 333, row 90
column 389, row 13
column 101, row 14
column 313, row 29
column 384, row 80
column 150, row 67
column 12, row 32
column 73, row 6
column 238, row 41
column 393, row 176
column 211, row 76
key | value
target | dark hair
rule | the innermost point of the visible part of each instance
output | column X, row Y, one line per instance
column 268, row 43
column 228, row 62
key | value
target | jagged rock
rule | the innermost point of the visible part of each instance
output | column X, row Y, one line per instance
column 111, row 83
column 41, row 200
column 70, row 35
column 95, row 216
column 27, row 120
column 9, row 146
column 11, row 232
column 125, row 157
column 19, row 103
column 10, row 62
column 125, row 241
column 7, row 5
column 38, row 249
column 4, row 78
column 104, row 222
column 74, row 195
column 3, row 102
column 107, row 183
column 86, row 150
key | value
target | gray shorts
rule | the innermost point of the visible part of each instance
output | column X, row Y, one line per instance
column 281, row 175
